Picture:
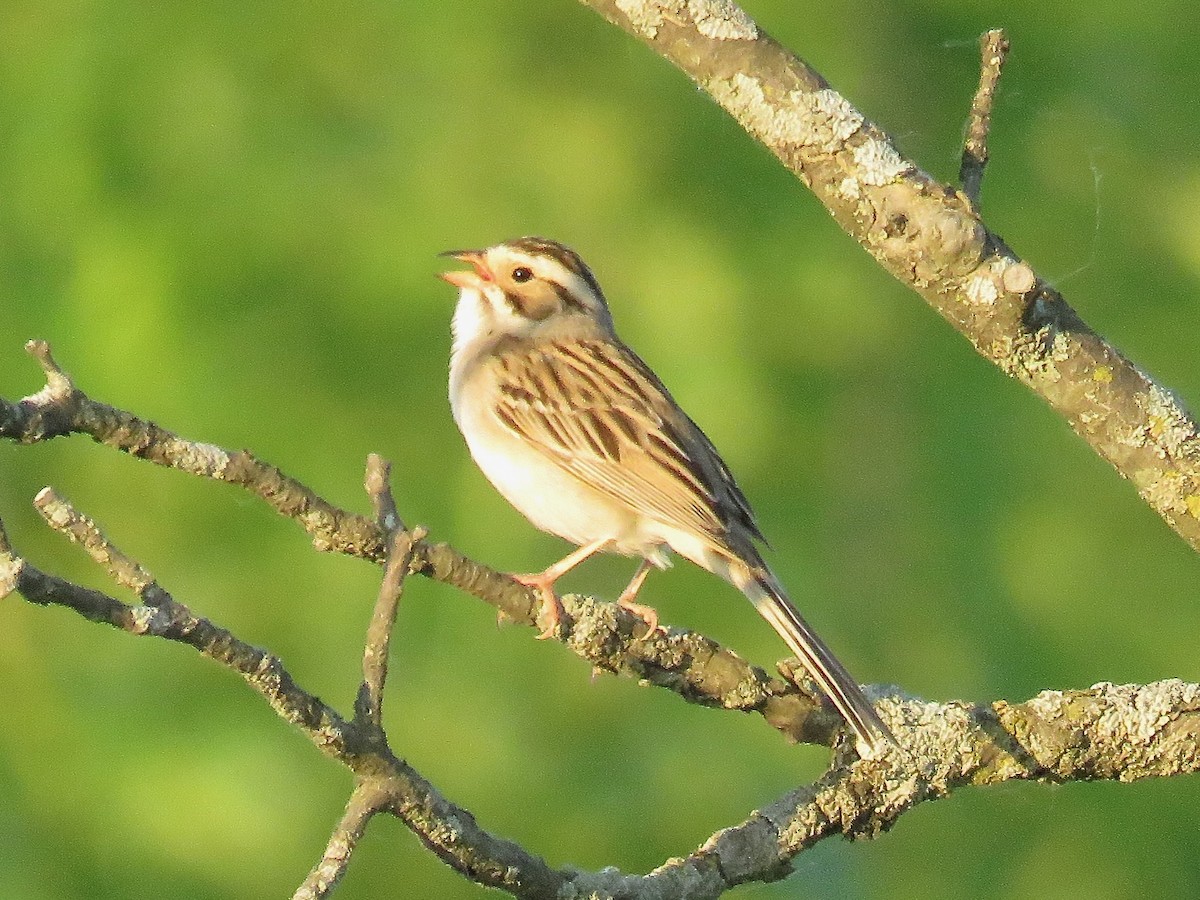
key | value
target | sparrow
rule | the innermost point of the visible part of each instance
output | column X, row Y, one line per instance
column 583, row 439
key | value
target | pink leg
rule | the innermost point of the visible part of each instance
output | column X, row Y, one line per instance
column 544, row 582
column 647, row 614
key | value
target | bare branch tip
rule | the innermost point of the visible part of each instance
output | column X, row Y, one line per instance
column 10, row 573
column 995, row 44
column 58, row 382
column 61, row 515
column 40, row 350
column 379, row 470
column 54, row 508
column 377, row 483
column 993, row 51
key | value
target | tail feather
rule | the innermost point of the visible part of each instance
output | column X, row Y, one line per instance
column 773, row 604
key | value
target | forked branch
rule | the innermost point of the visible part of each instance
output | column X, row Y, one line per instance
column 691, row 665
column 1116, row 732
column 930, row 236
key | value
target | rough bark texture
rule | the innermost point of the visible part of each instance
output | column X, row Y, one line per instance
column 928, row 235
column 931, row 237
column 1122, row 733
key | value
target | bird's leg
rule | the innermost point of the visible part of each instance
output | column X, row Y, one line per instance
column 544, row 582
column 647, row 614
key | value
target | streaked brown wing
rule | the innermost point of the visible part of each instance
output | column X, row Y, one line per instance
column 598, row 411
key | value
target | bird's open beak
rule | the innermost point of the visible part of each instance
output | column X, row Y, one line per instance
column 461, row 279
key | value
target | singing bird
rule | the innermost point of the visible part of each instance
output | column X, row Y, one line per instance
column 578, row 434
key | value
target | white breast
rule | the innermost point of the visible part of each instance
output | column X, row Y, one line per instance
column 551, row 498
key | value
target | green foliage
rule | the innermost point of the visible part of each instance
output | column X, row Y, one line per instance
column 224, row 216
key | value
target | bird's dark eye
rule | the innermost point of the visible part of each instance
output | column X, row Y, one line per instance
column 522, row 274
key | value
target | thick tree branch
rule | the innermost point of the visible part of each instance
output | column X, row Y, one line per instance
column 931, row 238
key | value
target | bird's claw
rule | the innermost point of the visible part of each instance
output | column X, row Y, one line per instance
column 552, row 609
column 647, row 614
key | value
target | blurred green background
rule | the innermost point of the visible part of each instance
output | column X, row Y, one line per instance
column 224, row 216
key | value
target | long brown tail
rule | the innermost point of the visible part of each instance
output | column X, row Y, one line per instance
column 769, row 599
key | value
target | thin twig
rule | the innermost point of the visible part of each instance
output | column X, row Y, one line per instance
column 165, row 618
column 365, row 801
column 993, row 50
column 61, row 408
column 377, row 484
column 369, row 795
column 368, row 706
column 64, row 518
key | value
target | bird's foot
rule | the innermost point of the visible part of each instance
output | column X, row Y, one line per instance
column 552, row 608
column 647, row 614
